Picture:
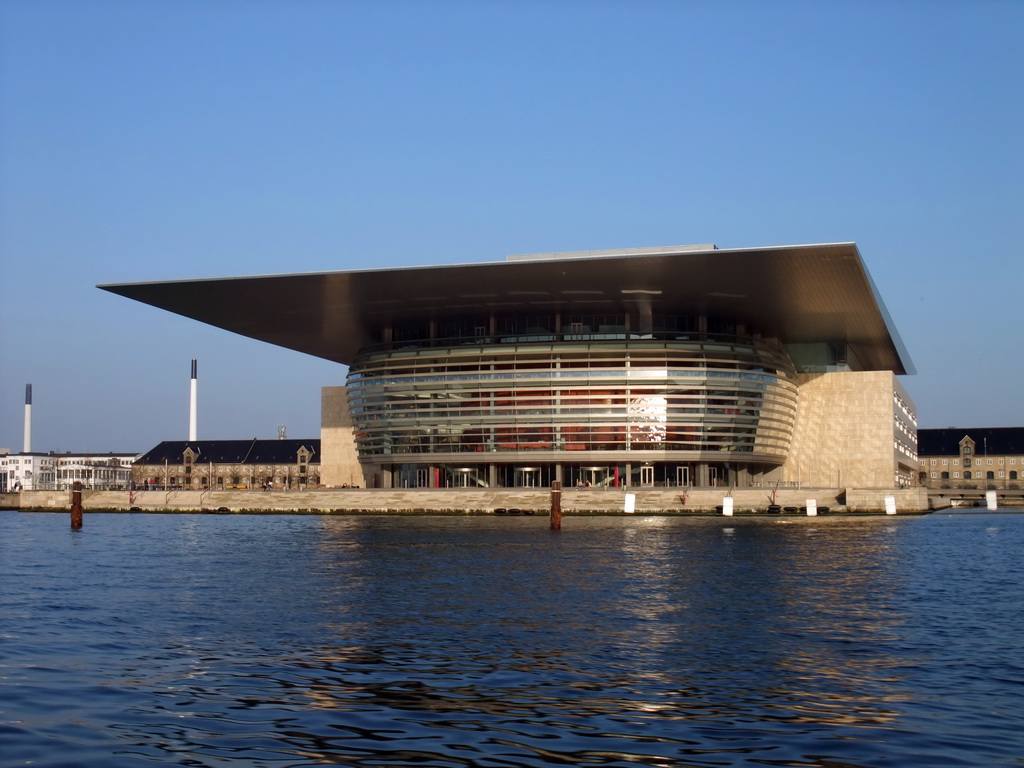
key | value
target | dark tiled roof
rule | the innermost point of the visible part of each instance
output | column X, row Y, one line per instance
column 283, row 451
column 994, row 440
column 232, row 451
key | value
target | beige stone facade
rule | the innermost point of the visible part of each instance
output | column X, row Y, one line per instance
column 340, row 465
column 853, row 429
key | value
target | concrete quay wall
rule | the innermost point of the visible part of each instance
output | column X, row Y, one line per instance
column 473, row 501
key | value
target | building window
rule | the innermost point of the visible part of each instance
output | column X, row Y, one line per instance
column 945, row 475
column 967, row 450
column 956, row 462
column 1013, row 474
column 967, row 475
column 1000, row 462
column 933, row 475
column 989, row 462
column 1001, row 473
column 945, row 462
column 967, row 462
column 990, row 475
column 933, row 462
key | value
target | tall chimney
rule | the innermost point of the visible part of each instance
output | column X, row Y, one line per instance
column 192, row 404
column 28, row 419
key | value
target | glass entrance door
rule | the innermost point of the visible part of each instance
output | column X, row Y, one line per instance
column 683, row 476
column 647, row 475
column 526, row 477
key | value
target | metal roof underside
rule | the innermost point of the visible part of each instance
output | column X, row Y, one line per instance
column 802, row 293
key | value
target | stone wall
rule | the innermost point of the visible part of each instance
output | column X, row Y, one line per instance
column 843, row 434
column 592, row 501
column 339, row 463
column 10, row 500
column 871, row 500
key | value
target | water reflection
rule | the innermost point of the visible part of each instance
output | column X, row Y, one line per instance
column 493, row 642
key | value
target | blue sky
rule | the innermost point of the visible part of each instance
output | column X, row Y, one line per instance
column 165, row 140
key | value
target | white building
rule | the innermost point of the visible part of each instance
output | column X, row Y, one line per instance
column 27, row 471
column 59, row 471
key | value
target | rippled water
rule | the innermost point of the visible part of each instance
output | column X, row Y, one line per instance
column 206, row 640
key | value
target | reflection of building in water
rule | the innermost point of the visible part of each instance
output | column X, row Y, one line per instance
column 667, row 619
column 682, row 365
column 768, row 606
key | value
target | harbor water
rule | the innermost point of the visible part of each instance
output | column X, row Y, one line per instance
column 273, row 641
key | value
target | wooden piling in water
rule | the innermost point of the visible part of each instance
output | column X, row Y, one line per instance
column 556, row 506
column 76, row 506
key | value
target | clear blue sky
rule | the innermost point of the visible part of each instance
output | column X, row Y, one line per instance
column 164, row 140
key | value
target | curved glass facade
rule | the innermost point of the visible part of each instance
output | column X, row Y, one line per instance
column 527, row 403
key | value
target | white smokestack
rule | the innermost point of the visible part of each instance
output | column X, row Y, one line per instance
column 192, row 404
column 28, row 419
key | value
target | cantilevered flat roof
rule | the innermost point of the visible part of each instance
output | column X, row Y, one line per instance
column 800, row 293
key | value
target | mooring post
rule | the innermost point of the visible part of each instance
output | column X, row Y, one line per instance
column 556, row 506
column 76, row 506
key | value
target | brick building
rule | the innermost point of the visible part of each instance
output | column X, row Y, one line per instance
column 976, row 457
column 229, row 464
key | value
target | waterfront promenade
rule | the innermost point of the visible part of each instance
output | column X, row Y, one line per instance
column 475, row 501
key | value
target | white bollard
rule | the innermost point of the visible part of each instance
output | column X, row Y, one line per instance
column 890, row 505
column 812, row 507
column 990, row 500
column 630, row 506
column 727, row 506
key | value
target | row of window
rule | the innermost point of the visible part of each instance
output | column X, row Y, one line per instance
column 567, row 397
column 956, row 462
column 905, row 449
column 88, row 474
column 968, row 475
column 50, row 462
column 236, row 480
column 568, row 322
column 906, row 429
column 905, row 408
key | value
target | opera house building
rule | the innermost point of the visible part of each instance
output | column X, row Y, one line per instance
column 690, row 366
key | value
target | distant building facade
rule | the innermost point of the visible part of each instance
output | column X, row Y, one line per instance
column 59, row 471
column 229, row 465
column 986, row 457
